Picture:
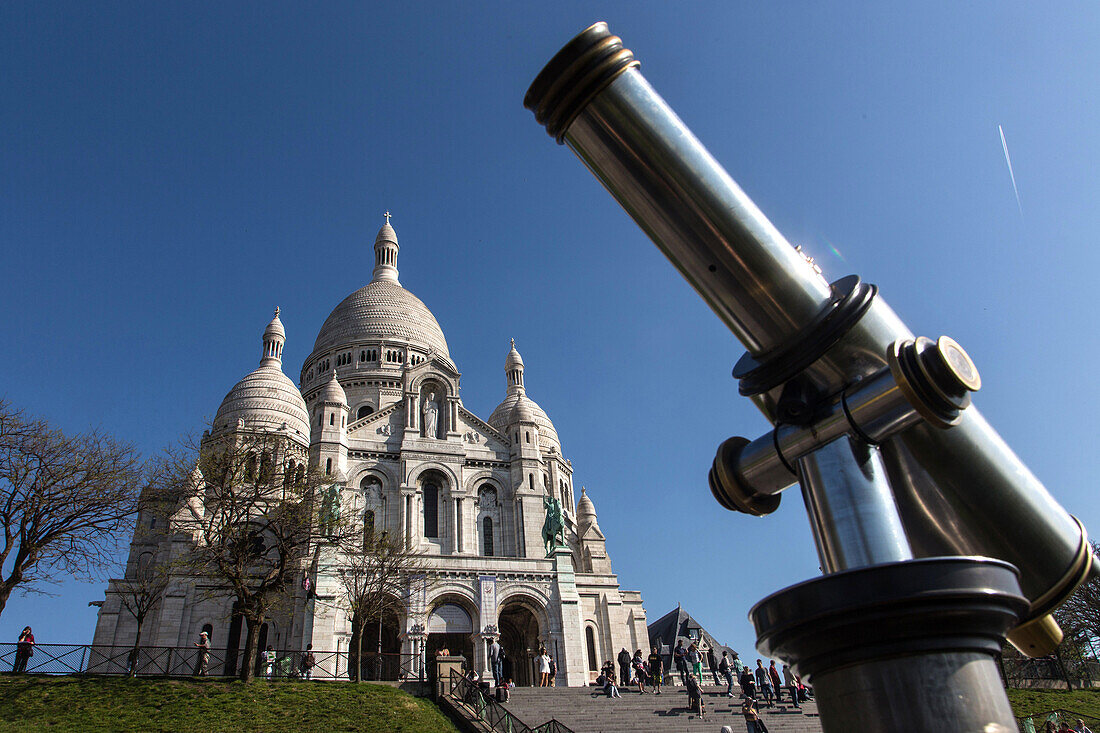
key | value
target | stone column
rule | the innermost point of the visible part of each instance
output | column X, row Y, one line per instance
column 459, row 519
column 571, row 666
column 487, row 590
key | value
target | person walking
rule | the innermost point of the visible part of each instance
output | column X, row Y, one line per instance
column 695, row 660
column 792, row 685
column 713, row 663
column 679, row 658
column 203, row 660
column 305, row 667
column 656, row 668
column 748, row 686
column 777, row 683
column 544, row 669
column 726, row 670
column 695, row 695
column 24, row 650
column 495, row 662
column 624, row 667
column 764, row 683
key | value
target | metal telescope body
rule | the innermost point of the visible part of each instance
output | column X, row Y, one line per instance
column 935, row 539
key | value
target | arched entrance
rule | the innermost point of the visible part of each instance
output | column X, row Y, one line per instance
column 372, row 666
column 450, row 626
column 520, row 639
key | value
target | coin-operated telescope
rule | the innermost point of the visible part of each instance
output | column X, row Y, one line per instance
column 935, row 540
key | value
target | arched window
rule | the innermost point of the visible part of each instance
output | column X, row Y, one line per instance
column 363, row 412
column 209, row 629
column 431, row 511
column 332, row 419
column 328, row 466
column 300, row 475
column 267, row 468
column 487, row 533
column 590, row 643
column 527, row 436
column 250, row 467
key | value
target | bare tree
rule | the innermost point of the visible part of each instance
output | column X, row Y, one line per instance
column 140, row 593
column 252, row 518
column 65, row 501
column 377, row 574
column 1082, row 610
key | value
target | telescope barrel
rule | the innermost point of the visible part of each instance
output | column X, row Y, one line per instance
column 725, row 247
column 960, row 490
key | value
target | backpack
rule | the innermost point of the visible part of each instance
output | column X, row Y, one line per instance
column 724, row 666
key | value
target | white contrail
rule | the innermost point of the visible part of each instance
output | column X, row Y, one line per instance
column 1004, row 146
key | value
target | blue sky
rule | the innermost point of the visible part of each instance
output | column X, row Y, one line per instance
column 171, row 172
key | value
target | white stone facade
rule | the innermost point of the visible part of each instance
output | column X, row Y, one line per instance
column 380, row 400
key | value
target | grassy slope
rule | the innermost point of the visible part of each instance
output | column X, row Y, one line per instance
column 1029, row 702
column 118, row 704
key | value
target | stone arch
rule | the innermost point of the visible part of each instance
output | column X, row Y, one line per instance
column 524, row 628
column 449, row 383
column 592, row 646
column 417, row 471
column 383, row 472
column 458, row 643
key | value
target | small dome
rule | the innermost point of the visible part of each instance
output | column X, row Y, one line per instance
column 386, row 234
column 333, row 392
column 513, row 360
column 275, row 328
column 265, row 399
column 586, row 512
column 518, row 407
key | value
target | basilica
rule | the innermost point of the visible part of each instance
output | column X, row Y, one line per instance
column 378, row 411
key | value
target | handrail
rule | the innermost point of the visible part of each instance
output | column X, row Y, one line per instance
column 186, row 661
column 495, row 714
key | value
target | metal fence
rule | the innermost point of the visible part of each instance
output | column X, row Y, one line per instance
column 477, row 699
column 1050, row 671
column 1036, row 722
column 171, row 661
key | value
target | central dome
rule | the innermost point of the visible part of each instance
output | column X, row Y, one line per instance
column 382, row 309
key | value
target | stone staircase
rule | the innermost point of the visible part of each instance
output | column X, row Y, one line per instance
column 581, row 709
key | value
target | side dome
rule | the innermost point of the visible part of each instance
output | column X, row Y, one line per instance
column 518, row 408
column 382, row 310
column 266, row 399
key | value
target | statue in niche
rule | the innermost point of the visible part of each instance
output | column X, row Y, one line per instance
column 431, row 416
column 330, row 510
column 554, row 526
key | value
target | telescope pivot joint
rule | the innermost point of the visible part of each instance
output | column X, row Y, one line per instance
column 924, row 380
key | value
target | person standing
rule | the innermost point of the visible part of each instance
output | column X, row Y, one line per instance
column 544, row 669
column 752, row 716
column 713, row 663
column 24, row 650
column 203, row 660
column 695, row 659
column 679, row 657
column 726, row 670
column 269, row 661
column 656, row 668
column 764, row 682
column 637, row 666
column 624, row 667
column 553, row 669
column 495, row 662
column 777, row 683
column 792, row 685
column 307, row 663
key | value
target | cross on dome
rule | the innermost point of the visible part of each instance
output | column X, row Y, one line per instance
column 387, row 215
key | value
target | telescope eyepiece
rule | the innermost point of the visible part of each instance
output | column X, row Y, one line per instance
column 576, row 74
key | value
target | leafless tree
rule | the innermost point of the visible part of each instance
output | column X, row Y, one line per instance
column 1082, row 610
column 65, row 501
column 252, row 517
column 140, row 593
column 377, row 576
